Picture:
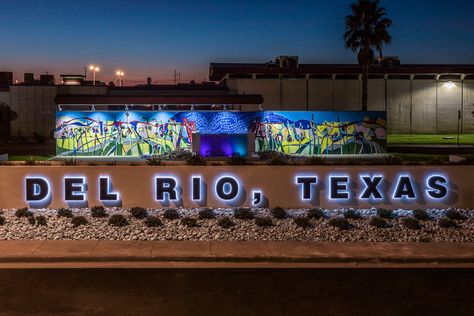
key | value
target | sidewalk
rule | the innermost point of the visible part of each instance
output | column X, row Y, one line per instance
column 228, row 254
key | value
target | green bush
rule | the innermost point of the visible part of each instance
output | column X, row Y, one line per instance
column 2, row 220
column 41, row 220
column 196, row 160
column 421, row 215
column 302, row 222
column 454, row 215
column 98, row 211
column 385, row 213
column 70, row 162
column 316, row 213
column 79, row 220
column 279, row 212
column 314, row 161
column 206, row 213
column 138, row 212
column 153, row 221
column 23, row 212
column 31, row 220
column 411, row 223
column 243, row 213
column 340, row 223
column 171, row 214
column 225, row 222
column 263, row 221
column 352, row 214
column 30, row 161
column 277, row 160
column 236, row 160
column 154, row 161
column 65, row 212
column 378, row 222
column 189, row 221
column 118, row 220
column 447, row 223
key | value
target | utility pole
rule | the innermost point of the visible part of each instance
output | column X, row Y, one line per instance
column 175, row 77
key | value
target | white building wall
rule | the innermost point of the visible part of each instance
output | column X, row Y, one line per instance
column 348, row 95
column 468, row 106
column 449, row 103
column 376, row 97
column 268, row 88
column 423, row 119
column 294, row 94
column 320, row 94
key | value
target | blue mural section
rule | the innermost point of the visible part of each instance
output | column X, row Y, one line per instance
column 138, row 133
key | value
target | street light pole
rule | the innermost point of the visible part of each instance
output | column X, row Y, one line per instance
column 94, row 70
column 120, row 75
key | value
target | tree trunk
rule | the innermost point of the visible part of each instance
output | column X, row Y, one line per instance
column 365, row 82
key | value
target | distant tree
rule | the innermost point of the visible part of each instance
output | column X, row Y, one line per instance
column 367, row 29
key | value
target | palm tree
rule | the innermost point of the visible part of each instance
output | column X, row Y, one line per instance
column 366, row 31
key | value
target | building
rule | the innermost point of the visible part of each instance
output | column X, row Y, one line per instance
column 27, row 109
column 418, row 98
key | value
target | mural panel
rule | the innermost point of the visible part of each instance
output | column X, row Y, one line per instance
column 135, row 133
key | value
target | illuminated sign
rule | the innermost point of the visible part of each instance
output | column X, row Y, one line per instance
column 228, row 189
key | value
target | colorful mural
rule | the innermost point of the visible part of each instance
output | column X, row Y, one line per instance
column 135, row 133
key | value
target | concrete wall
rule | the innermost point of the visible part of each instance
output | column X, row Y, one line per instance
column 468, row 107
column 4, row 113
column 277, row 184
column 399, row 106
column 35, row 110
column 413, row 106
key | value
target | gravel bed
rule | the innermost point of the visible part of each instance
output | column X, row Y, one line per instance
column 60, row 228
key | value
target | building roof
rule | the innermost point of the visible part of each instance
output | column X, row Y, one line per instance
column 158, row 99
column 217, row 71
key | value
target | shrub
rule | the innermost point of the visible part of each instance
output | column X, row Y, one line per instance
column 385, row 213
column 352, row 214
column 454, row 215
column 70, row 162
column 411, row 223
column 189, row 221
column 170, row 214
column 314, row 161
column 41, row 220
column 154, row 161
column 138, row 212
column 206, row 213
column 23, row 212
column 153, row 221
column 243, row 213
column 302, row 222
column 30, row 161
column 421, row 215
column 277, row 160
column 378, row 222
column 98, row 211
column 278, row 212
column 236, row 160
column 31, row 220
column 79, row 220
column 340, row 223
column 196, row 160
column 65, row 212
column 263, row 221
column 225, row 222
column 2, row 220
column 447, row 223
column 118, row 220
column 316, row 213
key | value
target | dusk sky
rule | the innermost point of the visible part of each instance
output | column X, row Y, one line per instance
column 152, row 38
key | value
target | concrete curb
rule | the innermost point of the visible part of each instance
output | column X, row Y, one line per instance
column 94, row 253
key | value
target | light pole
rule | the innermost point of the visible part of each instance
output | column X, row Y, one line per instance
column 120, row 75
column 94, row 69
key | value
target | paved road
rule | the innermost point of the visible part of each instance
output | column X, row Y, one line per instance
column 236, row 292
